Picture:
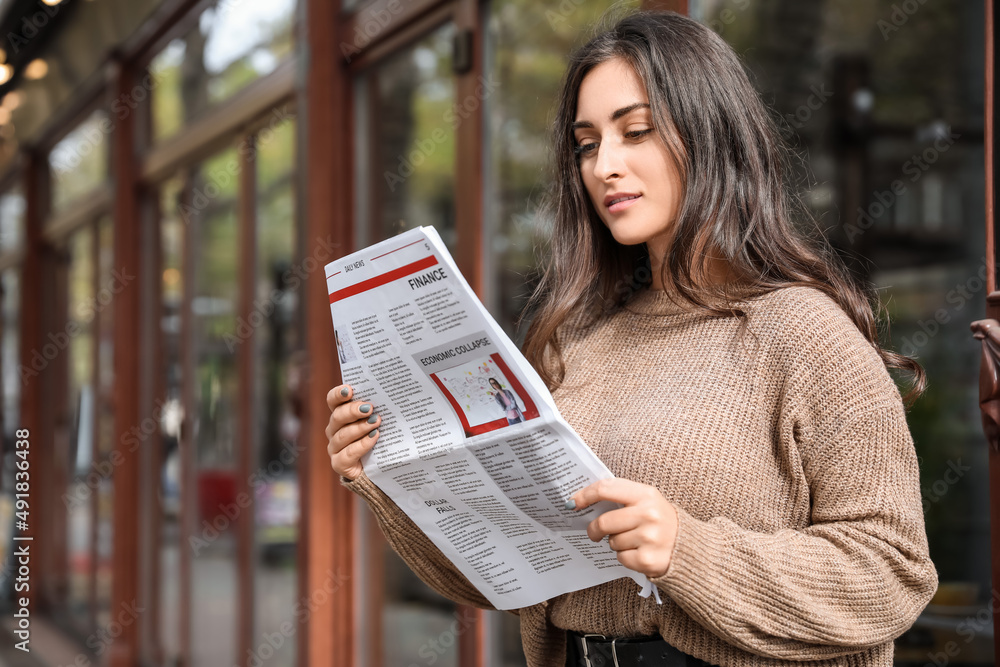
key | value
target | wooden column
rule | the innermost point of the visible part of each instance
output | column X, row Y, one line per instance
column 124, row 652
column 679, row 6
column 40, row 447
column 328, row 532
column 472, row 92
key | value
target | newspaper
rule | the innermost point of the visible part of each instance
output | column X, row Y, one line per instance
column 471, row 445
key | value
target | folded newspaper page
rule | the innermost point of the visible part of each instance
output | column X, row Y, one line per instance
column 471, row 446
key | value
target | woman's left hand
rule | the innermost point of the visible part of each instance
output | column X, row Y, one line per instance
column 643, row 532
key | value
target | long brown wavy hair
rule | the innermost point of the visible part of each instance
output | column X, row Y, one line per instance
column 736, row 203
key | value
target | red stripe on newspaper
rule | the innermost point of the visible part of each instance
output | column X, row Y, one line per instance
column 332, row 275
column 397, row 249
column 383, row 279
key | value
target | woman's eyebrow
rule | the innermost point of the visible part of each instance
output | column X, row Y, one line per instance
column 614, row 116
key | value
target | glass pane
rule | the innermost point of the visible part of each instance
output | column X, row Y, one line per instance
column 233, row 45
column 528, row 47
column 10, row 357
column 111, row 283
column 899, row 188
column 171, row 416
column 407, row 179
column 12, row 219
column 276, row 324
column 10, row 352
column 80, row 494
column 215, row 255
column 410, row 102
column 79, row 163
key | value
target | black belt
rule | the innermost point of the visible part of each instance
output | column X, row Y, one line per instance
column 601, row 651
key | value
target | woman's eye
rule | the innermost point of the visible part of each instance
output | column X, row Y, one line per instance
column 585, row 147
column 635, row 134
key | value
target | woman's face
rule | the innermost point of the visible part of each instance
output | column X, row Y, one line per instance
column 496, row 385
column 624, row 164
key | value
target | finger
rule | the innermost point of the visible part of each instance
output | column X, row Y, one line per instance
column 613, row 523
column 352, row 412
column 339, row 395
column 630, row 539
column 350, row 433
column 613, row 489
column 347, row 462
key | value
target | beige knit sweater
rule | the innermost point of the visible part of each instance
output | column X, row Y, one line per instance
column 787, row 455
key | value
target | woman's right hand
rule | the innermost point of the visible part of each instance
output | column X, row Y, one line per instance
column 352, row 431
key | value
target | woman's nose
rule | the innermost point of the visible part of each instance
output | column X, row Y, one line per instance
column 610, row 160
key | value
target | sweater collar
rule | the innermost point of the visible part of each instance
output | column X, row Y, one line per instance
column 657, row 302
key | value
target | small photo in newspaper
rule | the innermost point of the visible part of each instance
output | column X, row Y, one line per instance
column 478, row 384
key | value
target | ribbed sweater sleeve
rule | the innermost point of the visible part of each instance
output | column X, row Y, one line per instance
column 860, row 573
column 415, row 548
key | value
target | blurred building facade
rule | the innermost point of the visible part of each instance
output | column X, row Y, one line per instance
column 174, row 174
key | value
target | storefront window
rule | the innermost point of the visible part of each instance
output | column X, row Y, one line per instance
column 278, row 387
column 12, row 220
column 212, row 220
column 233, row 44
column 79, row 163
column 80, row 429
column 408, row 103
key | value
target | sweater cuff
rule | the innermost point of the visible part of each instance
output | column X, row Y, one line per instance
column 363, row 486
column 694, row 565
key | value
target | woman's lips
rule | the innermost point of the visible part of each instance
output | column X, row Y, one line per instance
column 623, row 204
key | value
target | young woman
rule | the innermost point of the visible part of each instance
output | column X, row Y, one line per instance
column 507, row 401
column 723, row 366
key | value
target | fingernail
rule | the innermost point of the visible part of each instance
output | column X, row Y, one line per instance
column 373, row 419
column 344, row 392
column 571, row 504
column 373, row 433
column 365, row 409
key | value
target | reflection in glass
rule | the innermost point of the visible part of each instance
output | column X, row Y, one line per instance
column 234, row 44
column 12, row 219
column 79, row 163
column 80, row 515
column 169, row 464
column 890, row 125
column 410, row 105
column 213, row 222
column 10, row 351
column 277, row 394
column 110, row 284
